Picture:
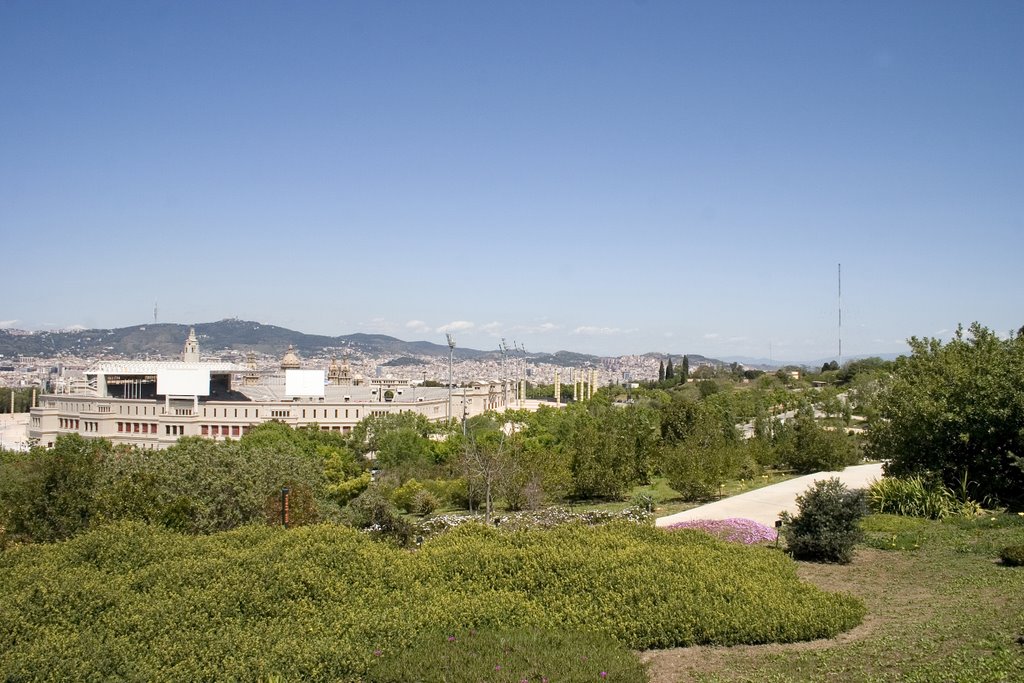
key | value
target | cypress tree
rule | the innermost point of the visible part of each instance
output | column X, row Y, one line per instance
column 670, row 372
column 661, row 371
column 686, row 368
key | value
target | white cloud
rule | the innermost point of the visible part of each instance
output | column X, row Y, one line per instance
column 417, row 326
column 9, row 323
column 604, row 331
column 711, row 335
column 456, row 326
column 493, row 328
column 535, row 329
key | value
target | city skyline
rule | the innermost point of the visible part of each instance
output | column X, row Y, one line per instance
column 608, row 178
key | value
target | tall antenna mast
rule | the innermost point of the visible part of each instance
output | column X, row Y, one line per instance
column 154, row 312
column 840, row 314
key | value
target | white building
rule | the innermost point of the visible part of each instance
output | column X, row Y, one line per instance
column 153, row 403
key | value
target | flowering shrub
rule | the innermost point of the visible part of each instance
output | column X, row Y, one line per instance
column 734, row 529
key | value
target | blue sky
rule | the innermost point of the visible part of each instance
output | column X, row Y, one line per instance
column 606, row 177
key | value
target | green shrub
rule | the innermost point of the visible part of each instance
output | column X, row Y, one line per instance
column 826, row 526
column 424, row 503
column 127, row 601
column 372, row 510
column 405, row 494
column 1012, row 555
column 643, row 501
column 343, row 491
column 808, row 447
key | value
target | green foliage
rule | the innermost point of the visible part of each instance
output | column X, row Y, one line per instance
column 50, row 494
column 643, row 501
column 916, row 497
column 705, row 452
column 344, row 491
column 807, row 447
column 826, row 526
column 22, row 400
column 708, row 387
column 372, row 510
column 203, row 486
column 196, row 485
column 1012, row 555
column 511, row 655
column 599, row 469
column 424, row 503
column 953, row 407
column 862, row 368
column 314, row 603
column 404, row 495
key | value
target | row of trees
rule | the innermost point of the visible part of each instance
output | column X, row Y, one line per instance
column 197, row 485
column 668, row 372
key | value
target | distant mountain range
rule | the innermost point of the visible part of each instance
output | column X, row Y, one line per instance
column 165, row 340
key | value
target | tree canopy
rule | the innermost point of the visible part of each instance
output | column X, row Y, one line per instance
column 956, row 411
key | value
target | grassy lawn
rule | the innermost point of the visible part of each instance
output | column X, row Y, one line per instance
column 940, row 606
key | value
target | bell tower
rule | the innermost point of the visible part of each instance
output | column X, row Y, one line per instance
column 191, row 352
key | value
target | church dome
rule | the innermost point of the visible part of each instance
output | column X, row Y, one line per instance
column 290, row 360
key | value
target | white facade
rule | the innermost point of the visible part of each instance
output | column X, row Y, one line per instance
column 120, row 401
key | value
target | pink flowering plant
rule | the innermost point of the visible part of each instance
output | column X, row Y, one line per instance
column 734, row 529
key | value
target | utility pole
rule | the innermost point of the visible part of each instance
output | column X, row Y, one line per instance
column 840, row 314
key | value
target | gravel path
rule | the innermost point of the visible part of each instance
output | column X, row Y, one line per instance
column 764, row 504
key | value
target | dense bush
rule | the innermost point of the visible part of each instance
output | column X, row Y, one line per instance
column 316, row 602
column 1012, row 555
column 704, row 451
column 51, row 494
column 826, row 526
column 373, row 511
column 806, row 446
column 424, row 502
